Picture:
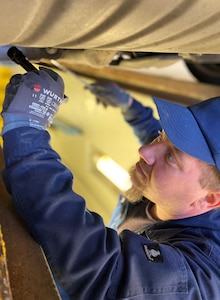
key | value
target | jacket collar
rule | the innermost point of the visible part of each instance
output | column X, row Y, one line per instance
column 168, row 229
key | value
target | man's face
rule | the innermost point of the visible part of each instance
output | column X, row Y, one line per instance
column 168, row 177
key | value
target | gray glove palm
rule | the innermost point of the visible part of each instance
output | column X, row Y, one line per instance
column 109, row 93
column 32, row 99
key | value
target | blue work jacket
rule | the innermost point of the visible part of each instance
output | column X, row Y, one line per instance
column 171, row 260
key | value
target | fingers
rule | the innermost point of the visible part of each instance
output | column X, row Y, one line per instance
column 102, row 101
column 50, row 72
column 44, row 73
column 13, row 84
column 104, row 86
column 15, row 79
column 11, row 90
column 47, row 74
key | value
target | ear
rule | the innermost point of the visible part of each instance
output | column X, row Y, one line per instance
column 212, row 200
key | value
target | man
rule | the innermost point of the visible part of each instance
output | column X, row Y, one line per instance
column 174, row 255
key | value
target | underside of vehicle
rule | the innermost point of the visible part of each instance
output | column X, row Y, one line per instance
column 133, row 34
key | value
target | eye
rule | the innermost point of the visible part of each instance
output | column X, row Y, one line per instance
column 170, row 157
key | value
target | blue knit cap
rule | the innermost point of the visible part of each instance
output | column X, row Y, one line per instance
column 195, row 129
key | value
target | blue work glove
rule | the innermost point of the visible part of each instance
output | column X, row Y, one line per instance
column 32, row 99
column 109, row 93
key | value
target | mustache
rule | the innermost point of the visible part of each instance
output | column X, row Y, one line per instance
column 145, row 168
column 139, row 175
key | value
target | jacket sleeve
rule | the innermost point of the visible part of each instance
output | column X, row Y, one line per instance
column 81, row 251
column 141, row 119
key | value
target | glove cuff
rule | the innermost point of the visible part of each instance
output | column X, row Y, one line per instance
column 14, row 121
column 128, row 104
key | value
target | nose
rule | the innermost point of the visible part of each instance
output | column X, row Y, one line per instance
column 148, row 154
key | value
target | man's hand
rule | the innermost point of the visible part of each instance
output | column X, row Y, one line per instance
column 109, row 93
column 32, row 99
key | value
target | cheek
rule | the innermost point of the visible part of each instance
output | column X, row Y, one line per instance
column 160, row 182
column 177, row 187
column 162, row 177
column 166, row 183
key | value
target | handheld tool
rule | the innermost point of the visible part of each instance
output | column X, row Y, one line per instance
column 18, row 57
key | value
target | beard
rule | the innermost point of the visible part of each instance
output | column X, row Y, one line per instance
column 135, row 193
